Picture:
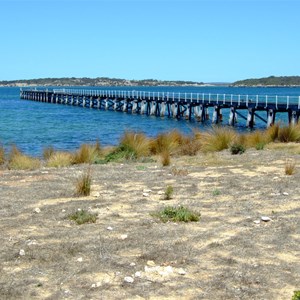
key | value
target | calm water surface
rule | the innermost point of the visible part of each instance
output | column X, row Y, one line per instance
column 32, row 126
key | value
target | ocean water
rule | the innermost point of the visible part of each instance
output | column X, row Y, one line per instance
column 32, row 126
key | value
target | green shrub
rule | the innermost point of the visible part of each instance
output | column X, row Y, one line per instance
column 237, row 149
column 168, row 192
column 177, row 214
column 82, row 217
column 216, row 192
column 296, row 295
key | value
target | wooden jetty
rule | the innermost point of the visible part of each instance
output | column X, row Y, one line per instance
column 177, row 105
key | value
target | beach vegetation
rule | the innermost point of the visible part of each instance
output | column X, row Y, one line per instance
column 87, row 154
column 59, row 159
column 83, row 184
column 2, row 155
column 165, row 158
column 168, row 192
column 237, row 149
column 20, row 161
column 289, row 133
column 166, row 142
column 217, row 139
column 256, row 139
column 47, row 152
column 177, row 214
column 296, row 295
column 289, row 167
column 82, row 217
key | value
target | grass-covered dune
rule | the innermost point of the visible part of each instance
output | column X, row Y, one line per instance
column 214, row 215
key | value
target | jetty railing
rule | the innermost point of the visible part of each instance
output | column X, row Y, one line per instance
column 173, row 104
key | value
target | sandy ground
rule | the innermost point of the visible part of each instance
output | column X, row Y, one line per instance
column 229, row 254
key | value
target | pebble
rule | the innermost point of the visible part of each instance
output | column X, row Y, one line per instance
column 256, row 222
column 80, row 259
column 137, row 274
column 124, row 236
column 132, row 264
column 266, row 219
column 146, row 194
column 285, row 194
column 151, row 263
column 63, row 210
column 37, row 210
column 147, row 191
column 109, row 228
column 181, row 271
column 128, row 279
column 22, row 252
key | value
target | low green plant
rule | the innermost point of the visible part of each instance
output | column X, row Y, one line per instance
column 237, row 149
column 260, row 146
column 82, row 217
column 296, row 295
column 216, row 192
column 168, row 192
column 83, row 184
column 177, row 214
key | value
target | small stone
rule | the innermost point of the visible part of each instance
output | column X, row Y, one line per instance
column 80, row 259
column 256, row 222
column 124, row 236
column 151, row 263
column 22, row 252
column 109, row 228
column 31, row 242
column 129, row 279
column 137, row 274
column 132, row 264
column 37, row 210
column 79, row 209
column 266, row 219
column 181, row 271
column 147, row 191
column 63, row 210
column 285, row 194
column 93, row 285
column 146, row 194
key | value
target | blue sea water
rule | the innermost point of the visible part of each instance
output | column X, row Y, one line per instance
column 32, row 126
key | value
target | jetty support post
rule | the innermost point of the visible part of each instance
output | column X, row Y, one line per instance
column 293, row 117
column 250, row 117
column 217, row 116
column 163, row 109
column 232, row 116
column 271, row 117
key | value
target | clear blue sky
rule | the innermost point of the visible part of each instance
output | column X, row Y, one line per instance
column 196, row 40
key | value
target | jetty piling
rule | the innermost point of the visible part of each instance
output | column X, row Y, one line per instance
column 189, row 106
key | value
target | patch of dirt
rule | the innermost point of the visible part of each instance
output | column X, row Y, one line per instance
column 229, row 254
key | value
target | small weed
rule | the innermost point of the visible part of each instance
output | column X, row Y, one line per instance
column 179, row 172
column 82, row 217
column 260, row 146
column 177, row 214
column 140, row 168
column 237, row 149
column 83, row 184
column 296, row 295
column 168, row 192
column 216, row 192
column 289, row 167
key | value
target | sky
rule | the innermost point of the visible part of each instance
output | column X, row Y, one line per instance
column 200, row 40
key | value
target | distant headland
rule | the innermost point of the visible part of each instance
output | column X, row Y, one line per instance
column 271, row 81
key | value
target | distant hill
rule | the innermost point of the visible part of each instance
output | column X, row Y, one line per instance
column 270, row 81
column 100, row 81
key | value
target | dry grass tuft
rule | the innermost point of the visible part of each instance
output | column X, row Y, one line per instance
column 47, row 152
column 87, row 154
column 289, row 167
column 289, row 134
column 167, row 142
column 256, row 139
column 2, row 155
column 60, row 159
column 20, row 161
column 272, row 133
column 165, row 158
column 217, row 139
column 83, row 184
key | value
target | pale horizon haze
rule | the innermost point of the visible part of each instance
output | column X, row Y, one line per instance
column 204, row 41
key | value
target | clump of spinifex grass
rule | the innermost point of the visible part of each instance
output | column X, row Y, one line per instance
column 59, row 159
column 83, row 184
column 289, row 167
column 87, row 154
column 20, row 161
column 48, row 152
column 82, row 217
column 2, row 155
column 166, row 142
column 217, row 139
column 256, row 139
column 132, row 146
column 168, row 192
column 289, row 133
column 177, row 214
column 165, row 158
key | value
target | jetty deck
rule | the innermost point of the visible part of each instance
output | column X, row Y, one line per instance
column 176, row 105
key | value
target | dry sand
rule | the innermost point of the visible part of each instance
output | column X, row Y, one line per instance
column 229, row 254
